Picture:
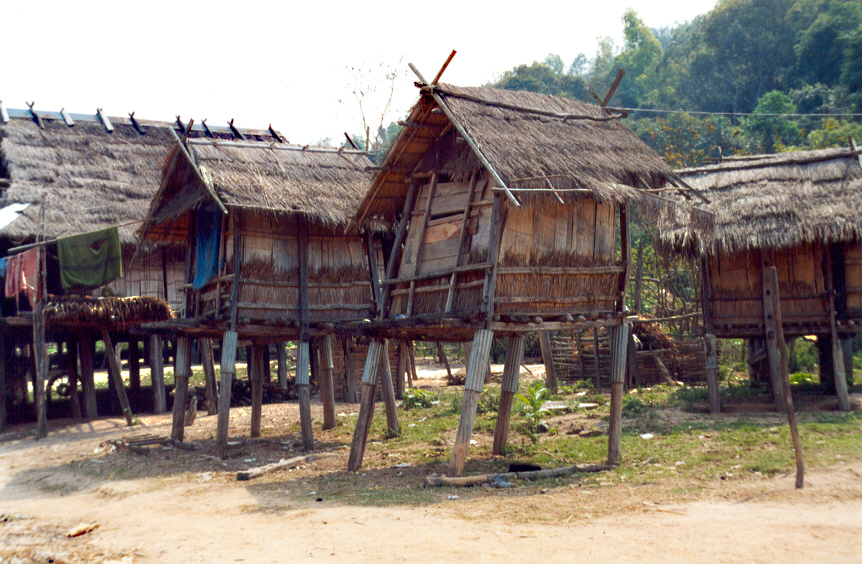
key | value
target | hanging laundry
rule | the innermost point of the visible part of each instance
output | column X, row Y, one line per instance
column 22, row 275
column 207, row 245
column 91, row 259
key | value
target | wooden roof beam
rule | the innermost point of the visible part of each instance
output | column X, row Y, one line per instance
column 35, row 115
column 67, row 119
column 105, row 121
column 200, row 175
column 4, row 115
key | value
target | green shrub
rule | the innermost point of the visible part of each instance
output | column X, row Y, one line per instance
column 415, row 398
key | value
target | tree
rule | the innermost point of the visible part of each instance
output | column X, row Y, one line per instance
column 545, row 79
column 766, row 128
column 640, row 58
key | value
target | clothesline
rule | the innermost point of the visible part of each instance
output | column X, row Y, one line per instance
column 43, row 243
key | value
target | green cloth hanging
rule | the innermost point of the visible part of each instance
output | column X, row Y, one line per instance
column 91, row 259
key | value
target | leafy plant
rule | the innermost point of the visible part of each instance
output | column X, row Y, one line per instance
column 534, row 410
column 416, row 398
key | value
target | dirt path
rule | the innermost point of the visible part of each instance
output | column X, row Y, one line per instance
column 180, row 507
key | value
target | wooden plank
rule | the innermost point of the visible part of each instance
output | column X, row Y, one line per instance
column 245, row 475
column 544, row 230
column 585, row 228
column 605, row 245
column 450, row 197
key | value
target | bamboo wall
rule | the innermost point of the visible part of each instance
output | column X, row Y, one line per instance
column 149, row 273
column 853, row 278
column 338, row 272
column 736, row 290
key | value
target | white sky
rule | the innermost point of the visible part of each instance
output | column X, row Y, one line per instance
column 286, row 63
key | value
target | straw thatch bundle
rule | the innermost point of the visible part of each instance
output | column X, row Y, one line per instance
column 325, row 185
column 108, row 310
column 532, row 151
column 774, row 201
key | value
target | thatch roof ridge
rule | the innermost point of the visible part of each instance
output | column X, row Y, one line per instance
column 325, row 184
column 537, row 143
column 92, row 177
column 776, row 201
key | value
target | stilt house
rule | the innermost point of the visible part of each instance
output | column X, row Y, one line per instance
column 62, row 174
column 267, row 257
column 512, row 216
column 800, row 213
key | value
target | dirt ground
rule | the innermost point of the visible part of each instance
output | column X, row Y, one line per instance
column 175, row 505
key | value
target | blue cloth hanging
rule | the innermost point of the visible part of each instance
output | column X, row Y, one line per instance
column 207, row 244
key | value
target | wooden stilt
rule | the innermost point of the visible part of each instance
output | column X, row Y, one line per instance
column 4, row 366
column 772, row 351
column 847, row 349
column 303, row 383
column 711, row 349
column 256, row 376
column 841, row 391
column 157, row 374
column 327, row 391
column 770, row 285
column 401, row 370
column 349, row 364
column 413, row 374
column 443, row 358
column 619, row 337
column 632, row 375
column 548, row 359
column 116, row 376
column 71, row 361
column 281, row 349
column 384, row 378
column 40, row 357
column 508, row 389
column 597, row 361
column 366, row 406
column 208, row 365
column 182, row 372
column 472, row 388
column 228, row 373
column 134, row 365
column 86, row 352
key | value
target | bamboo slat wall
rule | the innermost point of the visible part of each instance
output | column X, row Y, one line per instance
column 736, row 289
column 339, row 281
column 148, row 275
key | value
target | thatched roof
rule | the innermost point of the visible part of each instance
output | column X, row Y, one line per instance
column 775, row 201
column 529, row 139
column 323, row 184
column 92, row 178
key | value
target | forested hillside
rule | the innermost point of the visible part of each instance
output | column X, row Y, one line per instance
column 726, row 74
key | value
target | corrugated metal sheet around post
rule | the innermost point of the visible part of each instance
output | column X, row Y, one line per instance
column 512, row 368
column 303, row 364
column 619, row 336
column 478, row 363
column 372, row 363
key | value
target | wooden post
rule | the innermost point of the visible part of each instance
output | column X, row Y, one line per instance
column 514, row 356
column 548, row 359
column 847, row 349
column 401, row 371
column 710, row 347
column 303, row 383
column 412, row 374
column 281, row 348
column 71, row 361
column 771, row 337
column 618, row 340
column 4, row 366
column 86, row 353
column 472, row 388
column 208, row 365
column 182, row 372
column 841, row 391
column 597, row 360
column 366, row 406
column 634, row 379
column 580, row 342
column 770, row 283
column 327, row 391
column 349, row 363
column 117, row 376
column 442, row 354
column 134, row 364
column 255, row 375
column 384, row 376
column 40, row 357
column 157, row 374
column 228, row 373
